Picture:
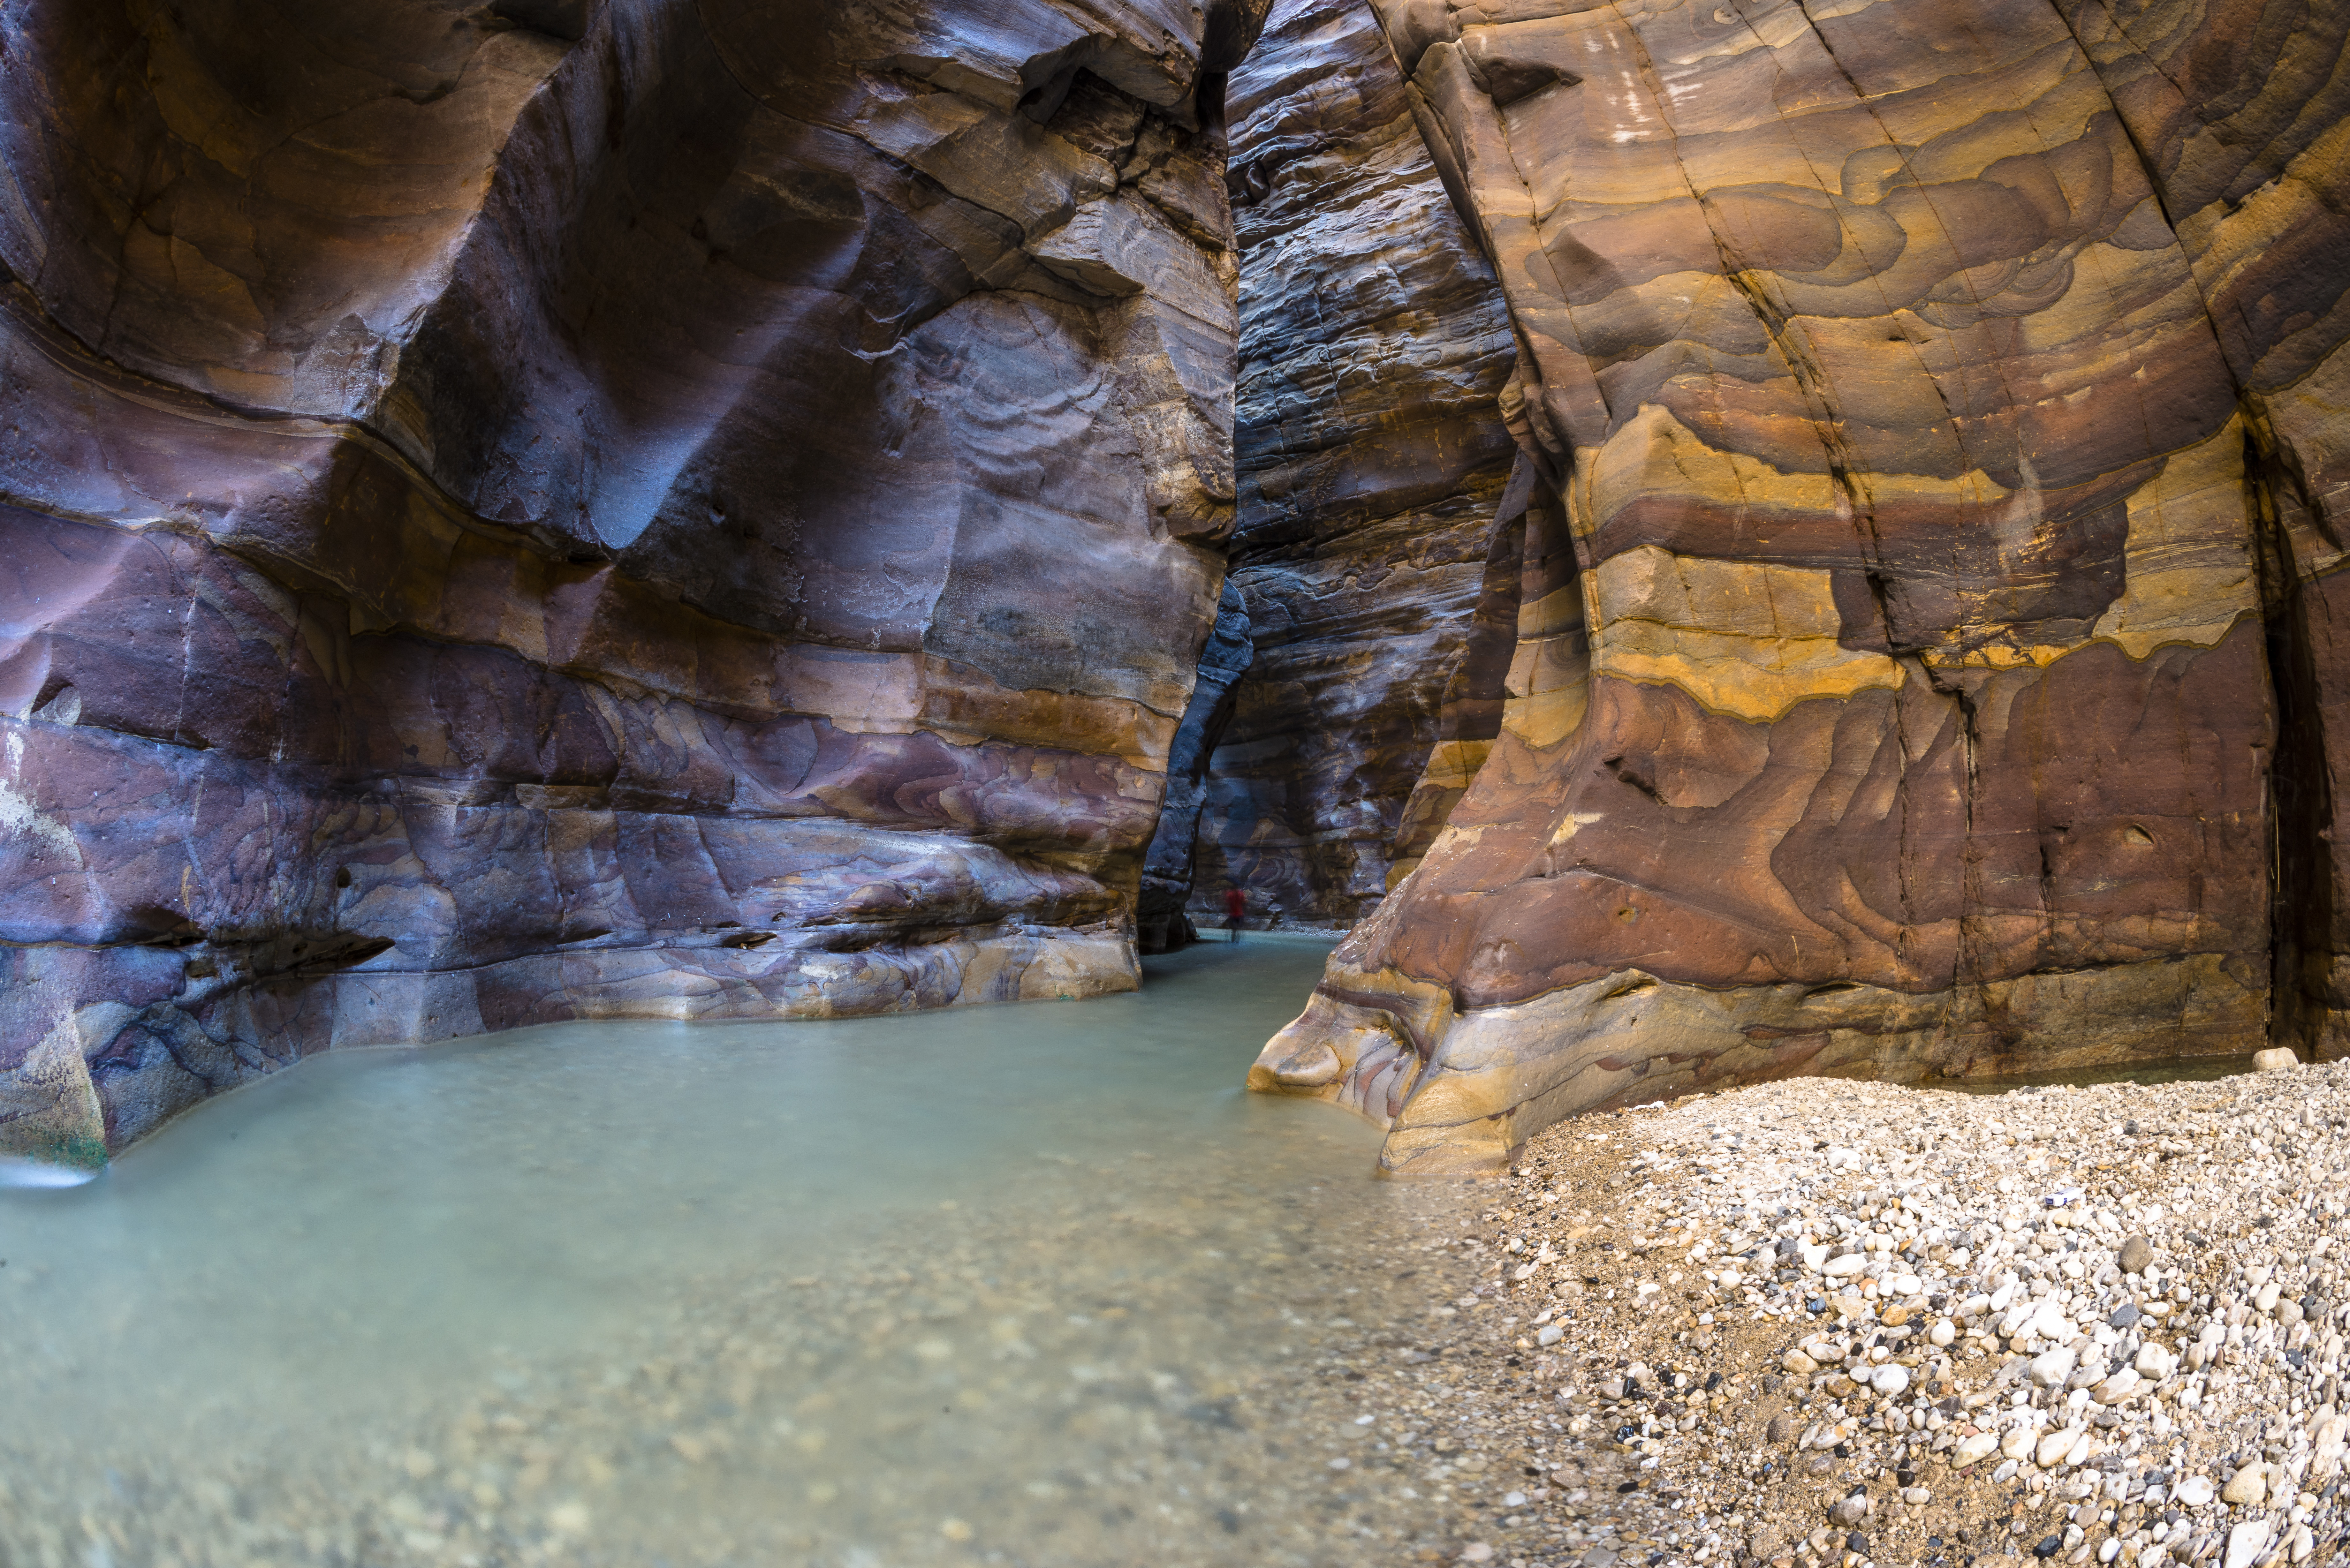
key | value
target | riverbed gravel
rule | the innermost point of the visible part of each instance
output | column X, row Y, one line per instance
column 1130, row 1362
column 1806, row 1324
column 1819, row 1322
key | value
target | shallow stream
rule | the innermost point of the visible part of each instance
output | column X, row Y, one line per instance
column 1034, row 1284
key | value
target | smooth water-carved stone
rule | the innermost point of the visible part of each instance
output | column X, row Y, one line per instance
column 543, row 511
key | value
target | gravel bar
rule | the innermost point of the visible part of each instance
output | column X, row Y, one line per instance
column 1820, row 1322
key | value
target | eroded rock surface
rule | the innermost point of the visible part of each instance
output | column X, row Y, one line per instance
column 546, row 510
column 1923, row 657
column 1369, row 454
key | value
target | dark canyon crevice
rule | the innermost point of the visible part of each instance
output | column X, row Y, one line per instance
column 1369, row 456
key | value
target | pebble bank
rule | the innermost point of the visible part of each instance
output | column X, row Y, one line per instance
column 1826, row 1322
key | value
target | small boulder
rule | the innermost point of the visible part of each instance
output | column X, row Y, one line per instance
column 2137, row 1254
column 2050, row 1368
column 2247, row 1541
column 2247, row 1487
column 2275, row 1059
column 2120, row 1387
column 2052, row 1448
column 1971, row 1450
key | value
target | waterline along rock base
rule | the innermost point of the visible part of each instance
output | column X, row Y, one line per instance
column 1715, row 541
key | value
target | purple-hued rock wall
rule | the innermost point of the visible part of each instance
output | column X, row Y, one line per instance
column 1924, row 659
column 550, row 510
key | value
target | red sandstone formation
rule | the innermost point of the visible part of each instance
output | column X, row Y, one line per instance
column 554, row 509
column 1924, row 656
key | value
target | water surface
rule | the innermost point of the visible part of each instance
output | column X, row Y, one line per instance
column 1034, row 1284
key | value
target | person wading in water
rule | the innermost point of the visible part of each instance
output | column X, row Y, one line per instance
column 1235, row 906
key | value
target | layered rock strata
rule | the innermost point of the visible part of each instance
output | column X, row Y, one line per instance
column 1369, row 454
column 1928, row 658
column 543, row 510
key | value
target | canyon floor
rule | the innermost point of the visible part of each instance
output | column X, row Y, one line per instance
column 1821, row 1322
column 1807, row 1323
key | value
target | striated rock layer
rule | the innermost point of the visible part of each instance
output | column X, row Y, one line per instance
column 552, row 509
column 1369, row 455
column 1924, row 656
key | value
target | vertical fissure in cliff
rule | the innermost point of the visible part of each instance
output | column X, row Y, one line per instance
column 1160, row 924
column 2301, row 792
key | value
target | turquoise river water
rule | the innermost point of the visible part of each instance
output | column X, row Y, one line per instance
column 1034, row 1285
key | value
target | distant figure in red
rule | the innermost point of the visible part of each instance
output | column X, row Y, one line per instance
column 1235, row 906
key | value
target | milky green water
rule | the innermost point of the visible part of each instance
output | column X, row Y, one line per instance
column 916, row 1287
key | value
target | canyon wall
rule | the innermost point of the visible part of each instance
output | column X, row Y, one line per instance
column 1369, row 455
column 1923, row 650
column 1765, row 539
column 556, row 509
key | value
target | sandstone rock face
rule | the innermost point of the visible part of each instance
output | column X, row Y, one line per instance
column 1369, row 454
column 1923, row 653
column 551, row 509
